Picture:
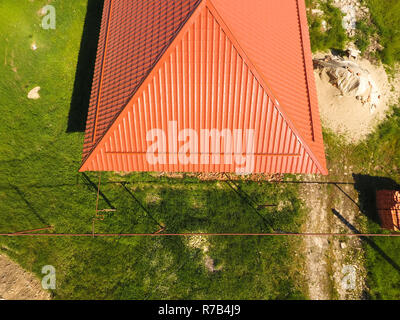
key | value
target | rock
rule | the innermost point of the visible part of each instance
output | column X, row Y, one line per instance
column 353, row 11
column 353, row 52
column 42, row 12
column 209, row 263
column 317, row 12
column 324, row 25
column 34, row 93
column 349, row 20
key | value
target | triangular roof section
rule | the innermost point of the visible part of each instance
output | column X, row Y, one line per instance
column 231, row 64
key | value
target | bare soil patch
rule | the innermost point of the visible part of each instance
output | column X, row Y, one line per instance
column 18, row 284
column 316, row 248
column 328, row 259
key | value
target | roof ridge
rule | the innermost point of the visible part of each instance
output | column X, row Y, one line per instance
column 112, row 109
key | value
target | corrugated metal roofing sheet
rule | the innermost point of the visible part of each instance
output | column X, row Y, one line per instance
column 206, row 79
column 133, row 36
column 274, row 36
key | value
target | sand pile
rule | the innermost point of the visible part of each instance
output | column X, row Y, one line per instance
column 353, row 95
column 351, row 80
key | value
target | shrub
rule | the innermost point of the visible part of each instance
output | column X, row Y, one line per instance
column 335, row 37
column 386, row 16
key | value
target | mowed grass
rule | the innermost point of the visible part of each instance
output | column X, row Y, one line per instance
column 40, row 186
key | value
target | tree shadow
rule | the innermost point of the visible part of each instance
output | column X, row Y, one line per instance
column 366, row 187
column 85, row 67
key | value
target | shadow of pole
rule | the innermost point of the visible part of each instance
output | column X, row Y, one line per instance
column 28, row 204
column 367, row 240
column 95, row 188
column 85, row 67
column 141, row 205
column 248, row 201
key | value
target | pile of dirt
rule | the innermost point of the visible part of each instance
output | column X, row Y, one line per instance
column 353, row 95
column 18, row 284
column 351, row 80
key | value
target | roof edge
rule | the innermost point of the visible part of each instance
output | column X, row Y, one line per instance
column 308, row 65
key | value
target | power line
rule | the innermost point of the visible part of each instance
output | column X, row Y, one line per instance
column 19, row 234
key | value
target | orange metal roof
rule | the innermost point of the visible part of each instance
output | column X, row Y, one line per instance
column 133, row 36
column 243, row 66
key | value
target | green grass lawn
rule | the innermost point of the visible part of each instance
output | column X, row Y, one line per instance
column 40, row 186
column 386, row 17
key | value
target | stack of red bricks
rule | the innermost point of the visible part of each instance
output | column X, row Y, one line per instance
column 388, row 205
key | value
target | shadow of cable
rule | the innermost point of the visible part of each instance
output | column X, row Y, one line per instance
column 249, row 201
column 367, row 240
column 176, row 180
column 29, row 205
column 85, row 67
column 348, row 196
column 141, row 205
column 92, row 185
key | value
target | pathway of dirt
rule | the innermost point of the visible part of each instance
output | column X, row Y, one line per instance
column 18, row 284
column 316, row 248
column 329, row 261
